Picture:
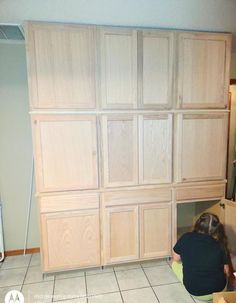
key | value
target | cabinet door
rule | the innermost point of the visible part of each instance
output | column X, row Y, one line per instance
column 118, row 68
column 156, row 68
column 70, row 239
column 61, row 66
column 121, row 234
column 155, row 230
column 66, row 152
column 204, row 67
column 201, row 146
column 155, row 148
column 119, row 134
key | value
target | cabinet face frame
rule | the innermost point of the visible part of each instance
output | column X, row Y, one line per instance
column 179, row 140
column 167, row 147
column 107, row 234
column 115, row 69
column 148, row 237
column 207, row 38
column 38, row 151
column 105, row 119
column 56, row 93
column 148, row 77
column 55, row 263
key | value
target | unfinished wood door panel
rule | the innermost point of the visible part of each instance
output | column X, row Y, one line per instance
column 119, row 134
column 61, row 65
column 118, row 68
column 201, row 146
column 156, row 68
column 204, row 67
column 120, row 232
column 70, row 239
column 66, row 152
column 155, row 230
column 155, row 148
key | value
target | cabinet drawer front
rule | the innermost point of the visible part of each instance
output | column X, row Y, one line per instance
column 200, row 192
column 57, row 203
column 136, row 197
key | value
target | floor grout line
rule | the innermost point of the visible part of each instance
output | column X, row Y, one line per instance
column 86, row 286
column 150, row 285
column 118, row 285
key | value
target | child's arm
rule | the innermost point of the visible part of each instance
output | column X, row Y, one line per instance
column 176, row 257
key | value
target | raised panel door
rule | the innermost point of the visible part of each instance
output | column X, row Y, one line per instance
column 201, row 146
column 120, row 160
column 155, row 148
column 65, row 152
column 118, row 55
column 203, row 70
column 155, row 230
column 61, row 66
column 70, row 239
column 120, row 231
column 156, row 68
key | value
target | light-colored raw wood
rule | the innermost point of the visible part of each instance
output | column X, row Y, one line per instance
column 136, row 196
column 65, row 152
column 201, row 147
column 121, row 235
column 61, row 66
column 200, row 192
column 229, row 297
column 68, row 202
column 155, row 230
column 155, row 149
column 118, row 67
column 230, row 223
column 156, row 51
column 120, row 159
column 70, row 239
column 203, row 70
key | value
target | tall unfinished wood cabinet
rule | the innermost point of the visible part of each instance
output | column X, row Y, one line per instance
column 128, row 123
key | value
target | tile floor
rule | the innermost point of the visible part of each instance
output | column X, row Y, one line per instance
column 146, row 282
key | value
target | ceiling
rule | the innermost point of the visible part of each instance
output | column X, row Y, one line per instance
column 207, row 15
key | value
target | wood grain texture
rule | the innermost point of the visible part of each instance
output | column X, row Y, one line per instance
column 155, row 230
column 230, row 297
column 120, row 156
column 70, row 239
column 203, row 70
column 230, row 224
column 156, row 59
column 61, row 65
column 118, row 64
column 155, row 149
column 65, row 152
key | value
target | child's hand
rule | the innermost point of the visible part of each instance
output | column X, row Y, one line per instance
column 222, row 300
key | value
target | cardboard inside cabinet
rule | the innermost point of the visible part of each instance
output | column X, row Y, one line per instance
column 229, row 296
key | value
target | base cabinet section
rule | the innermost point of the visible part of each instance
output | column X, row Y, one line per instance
column 70, row 238
column 155, row 230
column 136, row 225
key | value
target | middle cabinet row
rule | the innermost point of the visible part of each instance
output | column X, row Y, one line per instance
column 76, row 152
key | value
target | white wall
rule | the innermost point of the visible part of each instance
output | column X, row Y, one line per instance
column 217, row 15
column 15, row 148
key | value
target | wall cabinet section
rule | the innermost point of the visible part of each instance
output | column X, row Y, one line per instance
column 155, row 148
column 61, row 66
column 156, row 59
column 203, row 70
column 201, row 146
column 66, row 152
column 118, row 60
column 120, row 150
column 70, row 231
